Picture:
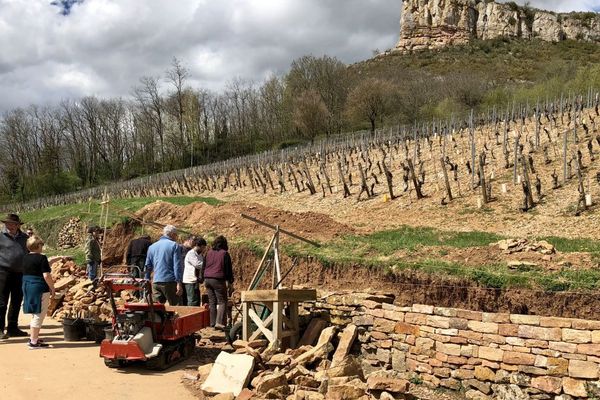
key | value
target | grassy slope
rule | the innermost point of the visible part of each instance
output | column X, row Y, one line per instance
column 503, row 60
column 377, row 249
column 48, row 221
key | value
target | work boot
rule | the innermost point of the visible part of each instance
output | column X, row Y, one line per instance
column 16, row 333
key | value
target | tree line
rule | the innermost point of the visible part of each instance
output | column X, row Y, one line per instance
column 168, row 124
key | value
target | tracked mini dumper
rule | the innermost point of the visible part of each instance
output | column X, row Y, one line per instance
column 147, row 332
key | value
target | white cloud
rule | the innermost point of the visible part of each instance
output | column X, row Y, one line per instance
column 103, row 47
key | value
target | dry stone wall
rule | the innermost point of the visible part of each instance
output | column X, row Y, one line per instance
column 431, row 24
column 486, row 355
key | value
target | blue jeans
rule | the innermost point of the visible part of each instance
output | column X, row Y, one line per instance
column 92, row 267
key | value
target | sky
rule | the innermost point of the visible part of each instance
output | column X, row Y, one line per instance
column 60, row 49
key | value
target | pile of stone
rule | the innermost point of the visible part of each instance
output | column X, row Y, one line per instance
column 510, row 246
column 325, row 369
column 71, row 234
column 76, row 295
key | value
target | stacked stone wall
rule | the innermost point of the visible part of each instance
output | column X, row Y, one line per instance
column 487, row 355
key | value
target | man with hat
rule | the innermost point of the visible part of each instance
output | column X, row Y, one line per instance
column 93, row 256
column 13, row 246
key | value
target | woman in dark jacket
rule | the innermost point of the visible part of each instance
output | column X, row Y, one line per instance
column 218, row 280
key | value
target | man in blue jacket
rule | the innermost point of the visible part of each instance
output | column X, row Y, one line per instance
column 165, row 264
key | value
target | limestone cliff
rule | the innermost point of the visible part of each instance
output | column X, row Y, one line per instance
column 431, row 24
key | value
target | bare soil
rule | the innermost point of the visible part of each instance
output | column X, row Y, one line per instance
column 410, row 287
column 73, row 370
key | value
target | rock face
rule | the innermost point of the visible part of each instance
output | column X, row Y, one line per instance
column 433, row 24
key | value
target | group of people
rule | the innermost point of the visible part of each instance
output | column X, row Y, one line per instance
column 25, row 277
column 177, row 271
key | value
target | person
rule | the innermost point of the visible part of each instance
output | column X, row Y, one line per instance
column 136, row 254
column 186, row 246
column 13, row 246
column 218, row 280
column 93, row 255
column 38, row 286
column 164, row 265
column 193, row 263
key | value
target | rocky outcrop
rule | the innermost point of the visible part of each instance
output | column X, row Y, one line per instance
column 432, row 24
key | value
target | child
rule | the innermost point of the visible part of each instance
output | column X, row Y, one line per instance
column 38, row 286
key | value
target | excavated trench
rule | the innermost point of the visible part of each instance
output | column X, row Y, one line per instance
column 412, row 287
column 409, row 287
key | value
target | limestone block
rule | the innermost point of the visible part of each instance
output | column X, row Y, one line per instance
column 535, row 332
column 547, row 384
column 484, row 374
column 405, row 328
column 230, row 373
column 483, row 327
column 489, row 353
column 576, row 336
column 524, row 319
column 574, row 387
column 422, row 309
column 346, row 339
column 563, row 347
column 589, row 349
column 583, row 369
column 555, row 322
column 511, row 357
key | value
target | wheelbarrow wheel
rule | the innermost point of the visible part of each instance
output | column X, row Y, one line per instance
column 235, row 332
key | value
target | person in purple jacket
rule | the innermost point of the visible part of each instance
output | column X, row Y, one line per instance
column 218, row 280
column 165, row 264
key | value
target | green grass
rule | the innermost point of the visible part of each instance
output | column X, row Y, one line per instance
column 374, row 247
column 574, row 245
column 76, row 253
column 380, row 250
column 48, row 221
column 91, row 211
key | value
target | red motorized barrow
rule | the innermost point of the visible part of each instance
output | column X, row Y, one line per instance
column 148, row 332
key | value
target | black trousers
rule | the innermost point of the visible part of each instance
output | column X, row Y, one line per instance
column 217, row 300
column 11, row 289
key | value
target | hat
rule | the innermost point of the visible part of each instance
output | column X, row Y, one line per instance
column 12, row 218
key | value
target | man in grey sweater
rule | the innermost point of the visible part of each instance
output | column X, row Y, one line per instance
column 13, row 246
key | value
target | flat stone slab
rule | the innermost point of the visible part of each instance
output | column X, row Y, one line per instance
column 230, row 373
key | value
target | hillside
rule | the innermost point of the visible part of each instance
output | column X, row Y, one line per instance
column 415, row 247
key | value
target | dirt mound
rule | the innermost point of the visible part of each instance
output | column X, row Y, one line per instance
column 226, row 219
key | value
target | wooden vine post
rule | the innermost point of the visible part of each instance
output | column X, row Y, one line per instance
column 446, row 180
column 413, row 176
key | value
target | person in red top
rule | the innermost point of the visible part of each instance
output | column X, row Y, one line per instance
column 218, row 280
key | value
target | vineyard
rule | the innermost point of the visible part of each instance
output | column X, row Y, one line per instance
column 536, row 160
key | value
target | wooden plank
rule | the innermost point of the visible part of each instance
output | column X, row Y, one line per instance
column 261, row 325
column 245, row 321
column 293, row 307
column 277, row 319
column 290, row 295
column 253, row 282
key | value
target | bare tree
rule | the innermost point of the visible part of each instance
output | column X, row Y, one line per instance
column 369, row 100
column 310, row 114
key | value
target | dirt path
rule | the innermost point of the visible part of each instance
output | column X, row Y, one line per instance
column 73, row 370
